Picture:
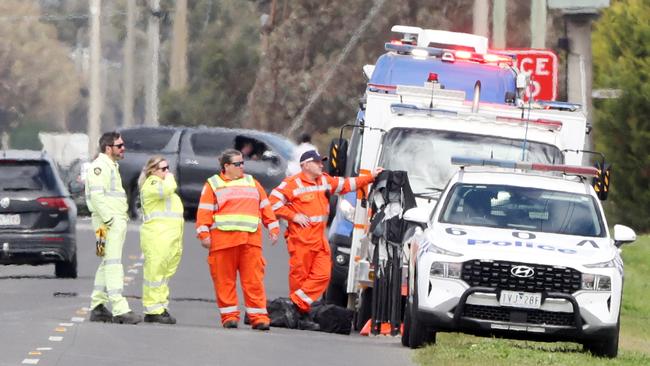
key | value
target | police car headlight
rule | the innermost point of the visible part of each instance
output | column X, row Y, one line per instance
column 596, row 282
column 429, row 247
column 608, row 264
column 446, row 270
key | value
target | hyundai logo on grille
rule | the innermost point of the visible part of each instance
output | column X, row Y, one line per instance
column 4, row 202
column 522, row 271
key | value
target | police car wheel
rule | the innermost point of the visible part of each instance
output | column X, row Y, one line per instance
column 419, row 333
column 605, row 346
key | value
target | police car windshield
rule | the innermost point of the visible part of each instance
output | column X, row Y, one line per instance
column 524, row 208
column 426, row 154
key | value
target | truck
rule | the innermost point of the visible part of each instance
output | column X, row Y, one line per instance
column 416, row 128
column 411, row 59
column 192, row 153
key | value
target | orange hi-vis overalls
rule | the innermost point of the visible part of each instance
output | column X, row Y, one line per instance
column 229, row 213
column 310, row 262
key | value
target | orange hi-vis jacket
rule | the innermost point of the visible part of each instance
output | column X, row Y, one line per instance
column 228, row 198
column 297, row 194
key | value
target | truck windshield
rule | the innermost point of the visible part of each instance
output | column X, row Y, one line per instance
column 525, row 208
column 426, row 154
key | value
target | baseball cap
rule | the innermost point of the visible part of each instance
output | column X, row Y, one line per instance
column 311, row 155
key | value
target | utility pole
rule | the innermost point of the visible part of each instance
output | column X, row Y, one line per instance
column 579, row 17
column 538, row 24
column 178, row 67
column 95, row 107
column 129, row 50
column 480, row 17
column 151, row 91
column 499, row 23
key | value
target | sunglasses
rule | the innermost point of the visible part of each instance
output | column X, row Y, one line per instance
column 164, row 168
column 119, row 146
column 237, row 163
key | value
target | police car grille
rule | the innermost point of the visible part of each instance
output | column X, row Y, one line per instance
column 497, row 274
column 501, row 314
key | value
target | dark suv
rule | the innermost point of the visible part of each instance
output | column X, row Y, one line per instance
column 37, row 215
column 192, row 155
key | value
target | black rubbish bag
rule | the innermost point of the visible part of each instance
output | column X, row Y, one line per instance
column 282, row 314
column 333, row 318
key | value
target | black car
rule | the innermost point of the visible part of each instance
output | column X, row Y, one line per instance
column 37, row 215
column 192, row 155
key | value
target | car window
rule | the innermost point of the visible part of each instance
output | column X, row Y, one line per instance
column 27, row 176
column 146, row 139
column 212, row 143
column 281, row 144
column 525, row 208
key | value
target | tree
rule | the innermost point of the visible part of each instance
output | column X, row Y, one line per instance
column 622, row 61
column 37, row 77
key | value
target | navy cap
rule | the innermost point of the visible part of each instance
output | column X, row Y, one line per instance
column 311, row 155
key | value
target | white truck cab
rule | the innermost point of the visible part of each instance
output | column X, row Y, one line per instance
column 519, row 250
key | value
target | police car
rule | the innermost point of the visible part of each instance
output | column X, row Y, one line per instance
column 522, row 251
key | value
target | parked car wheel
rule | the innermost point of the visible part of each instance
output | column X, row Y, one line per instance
column 66, row 269
column 135, row 207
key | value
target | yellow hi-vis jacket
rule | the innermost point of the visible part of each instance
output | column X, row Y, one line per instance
column 105, row 195
column 159, row 199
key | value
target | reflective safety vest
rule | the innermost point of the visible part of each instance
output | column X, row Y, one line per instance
column 105, row 195
column 237, row 206
column 159, row 199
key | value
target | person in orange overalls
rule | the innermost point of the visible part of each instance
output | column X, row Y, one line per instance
column 301, row 200
column 232, row 209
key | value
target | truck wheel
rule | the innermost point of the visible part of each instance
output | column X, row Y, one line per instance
column 406, row 326
column 418, row 333
column 606, row 346
column 66, row 269
column 365, row 308
column 336, row 294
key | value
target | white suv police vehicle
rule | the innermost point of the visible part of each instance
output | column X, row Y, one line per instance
column 517, row 253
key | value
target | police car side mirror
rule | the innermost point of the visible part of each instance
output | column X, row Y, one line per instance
column 623, row 235
column 417, row 215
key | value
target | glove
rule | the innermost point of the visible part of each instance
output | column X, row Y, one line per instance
column 100, row 241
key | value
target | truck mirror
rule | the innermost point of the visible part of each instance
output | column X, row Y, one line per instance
column 623, row 234
column 601, row 182
column 337, row 159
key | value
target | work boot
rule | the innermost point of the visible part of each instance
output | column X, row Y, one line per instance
column 261, row 326
column 247, row 320
column 100, row 314
column 230, row 324
column 163, row 318
column 127, row 318
column 305, row 321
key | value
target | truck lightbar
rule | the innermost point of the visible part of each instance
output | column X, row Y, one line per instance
column 548, row 123
column 447, row 55
column 511, row 164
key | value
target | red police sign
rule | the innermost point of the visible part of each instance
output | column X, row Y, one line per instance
column 543, row 69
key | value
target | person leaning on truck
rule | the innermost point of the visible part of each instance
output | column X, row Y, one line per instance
column 106, row 201
column 161, row 237
column 232, row 209
column 301, row 200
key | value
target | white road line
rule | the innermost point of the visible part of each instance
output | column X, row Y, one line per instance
column 44, row 349
column 77, row 319
column 30, row 361
column 66, row 324
column 137, row 264
column 55, row 339
column 132, row 271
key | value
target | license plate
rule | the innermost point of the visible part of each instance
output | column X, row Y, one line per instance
column 9, row 220
column 528, row 300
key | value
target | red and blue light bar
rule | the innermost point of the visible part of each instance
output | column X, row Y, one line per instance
column 511, row 164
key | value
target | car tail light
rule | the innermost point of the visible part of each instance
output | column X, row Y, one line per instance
column 53, row 202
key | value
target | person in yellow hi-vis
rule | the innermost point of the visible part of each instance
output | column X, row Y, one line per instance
column 106, row 201
column 161, row 237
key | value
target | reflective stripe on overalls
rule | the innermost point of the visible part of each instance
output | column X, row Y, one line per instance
column 239, row 204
